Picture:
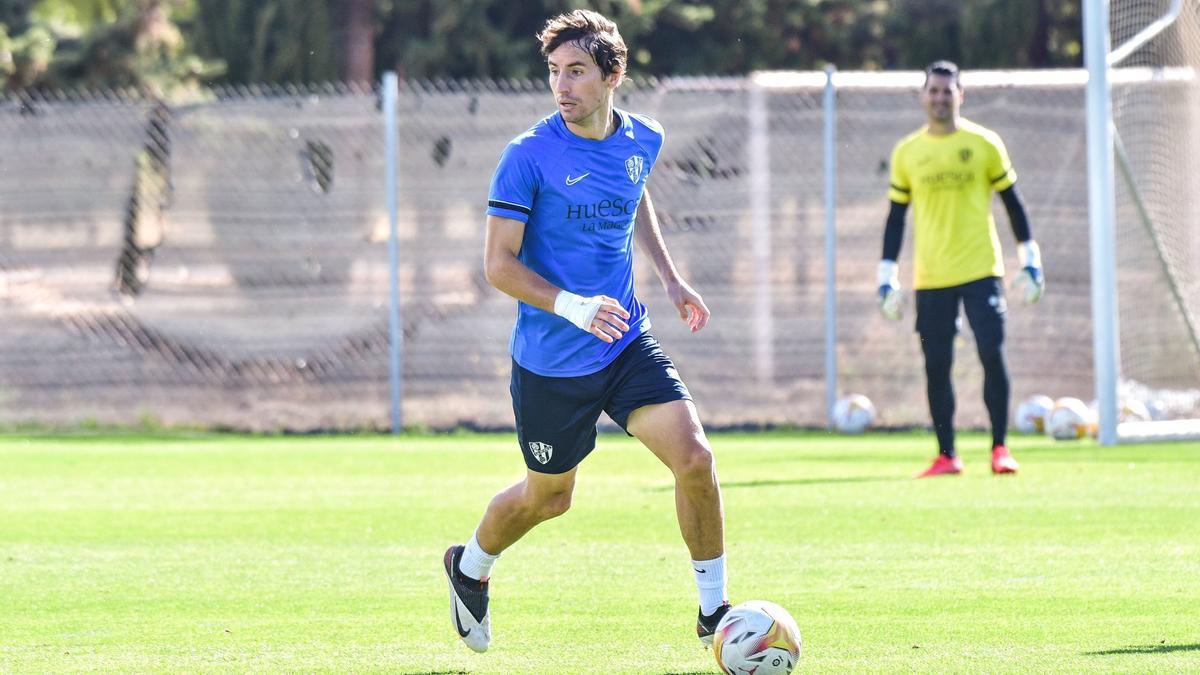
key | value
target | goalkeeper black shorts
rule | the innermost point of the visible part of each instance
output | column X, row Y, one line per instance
column 983, row 302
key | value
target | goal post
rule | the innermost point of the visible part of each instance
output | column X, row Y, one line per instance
column 1143, row 130
column 1101, row 209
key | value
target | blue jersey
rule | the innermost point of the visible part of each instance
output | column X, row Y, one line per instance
column 578, row 198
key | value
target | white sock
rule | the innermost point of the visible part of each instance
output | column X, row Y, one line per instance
column 710, row 579
column 476, row 562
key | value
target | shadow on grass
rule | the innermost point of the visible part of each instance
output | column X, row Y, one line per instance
column 734, row 484
column 1160, row 648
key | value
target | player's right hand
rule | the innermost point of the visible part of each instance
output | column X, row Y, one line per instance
column 891, row 300
column 609, row 323
column 600, row 315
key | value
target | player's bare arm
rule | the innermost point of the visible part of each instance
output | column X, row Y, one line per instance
column 508, row 274
column 603, row 316
column 687, row 301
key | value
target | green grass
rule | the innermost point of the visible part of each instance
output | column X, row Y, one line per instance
column 180, row 553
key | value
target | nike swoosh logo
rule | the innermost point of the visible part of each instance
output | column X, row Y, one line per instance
column 458, row 622
column 701, row 571
column 572, row 181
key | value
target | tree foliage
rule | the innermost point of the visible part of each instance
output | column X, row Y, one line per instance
column 99, row 43
column 154, row 42
column 268, row 40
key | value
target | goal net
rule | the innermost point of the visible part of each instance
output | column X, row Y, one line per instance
column 1155, row 95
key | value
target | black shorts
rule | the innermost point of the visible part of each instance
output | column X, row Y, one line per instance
column 983, row 301
column 556, row 416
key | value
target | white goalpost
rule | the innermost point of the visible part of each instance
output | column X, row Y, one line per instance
column 1142, row 117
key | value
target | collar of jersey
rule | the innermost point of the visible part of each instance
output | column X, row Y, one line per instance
column 962, row 126
column 560, row 126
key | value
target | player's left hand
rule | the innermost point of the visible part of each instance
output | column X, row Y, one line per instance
column 1030, row 281
column 690, row 305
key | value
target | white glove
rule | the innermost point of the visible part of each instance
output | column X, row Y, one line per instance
column 891, row 300
column 577, row 309
column 1030, row 282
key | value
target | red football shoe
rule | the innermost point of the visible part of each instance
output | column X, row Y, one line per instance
column 942, row 466
column 1002, row 460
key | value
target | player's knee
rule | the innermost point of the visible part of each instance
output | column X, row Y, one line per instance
column 937, row 379
column 555, row 504
column 546, row 496
column 544, row 504
column 991, row 355
column 698, row 466
column 939, row 356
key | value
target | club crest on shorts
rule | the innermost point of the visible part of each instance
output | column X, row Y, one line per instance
column 542, row 452
column 633, row 167
column 998, row 303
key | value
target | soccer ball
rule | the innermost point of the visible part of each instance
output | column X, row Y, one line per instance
column 853, row 414
column 1132, row 410
column 1031, row 414
column 1069, row 420
column 757, row 637
column 1156, row 409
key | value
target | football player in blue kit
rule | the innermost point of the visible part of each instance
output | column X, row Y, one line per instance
column 567, row 201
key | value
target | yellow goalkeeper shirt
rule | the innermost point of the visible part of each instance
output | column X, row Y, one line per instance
column 949, row 180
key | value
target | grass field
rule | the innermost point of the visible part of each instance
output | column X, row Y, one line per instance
column 323, row 554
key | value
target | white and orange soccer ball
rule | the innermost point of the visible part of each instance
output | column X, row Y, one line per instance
column 1132, row 410
column 1069, row 419
column 1031, row 414
column 757, row 637
column 853, row 414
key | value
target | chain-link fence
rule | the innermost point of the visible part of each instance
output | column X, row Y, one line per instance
column 211, row 264
column 224, row 263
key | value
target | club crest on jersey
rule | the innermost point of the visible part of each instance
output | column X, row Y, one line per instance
column 542, row 452
column 965, row 155
column 633, row 167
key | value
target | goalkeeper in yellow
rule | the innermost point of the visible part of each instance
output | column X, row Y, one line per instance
column 948, row 170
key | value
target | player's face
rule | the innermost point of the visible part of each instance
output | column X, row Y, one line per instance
column 579, row 86
column 941, row 97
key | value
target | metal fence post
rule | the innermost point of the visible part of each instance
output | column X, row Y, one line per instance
column 831, row 374
column 395, row 334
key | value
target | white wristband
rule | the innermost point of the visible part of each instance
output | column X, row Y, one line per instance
column 577, row 309
column 889, row 273
column 1029, row 254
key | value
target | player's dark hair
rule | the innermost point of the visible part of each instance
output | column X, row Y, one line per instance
column 945, row 69
column 591, row 32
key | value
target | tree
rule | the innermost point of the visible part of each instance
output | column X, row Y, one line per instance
column 98, row 43
column 123, row 42
column 268, row 41
column 484, row 38
column 142, row 49
column 358, row 41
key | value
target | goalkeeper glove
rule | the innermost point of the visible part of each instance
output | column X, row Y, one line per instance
column 1030, row 281
column 891, row 301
